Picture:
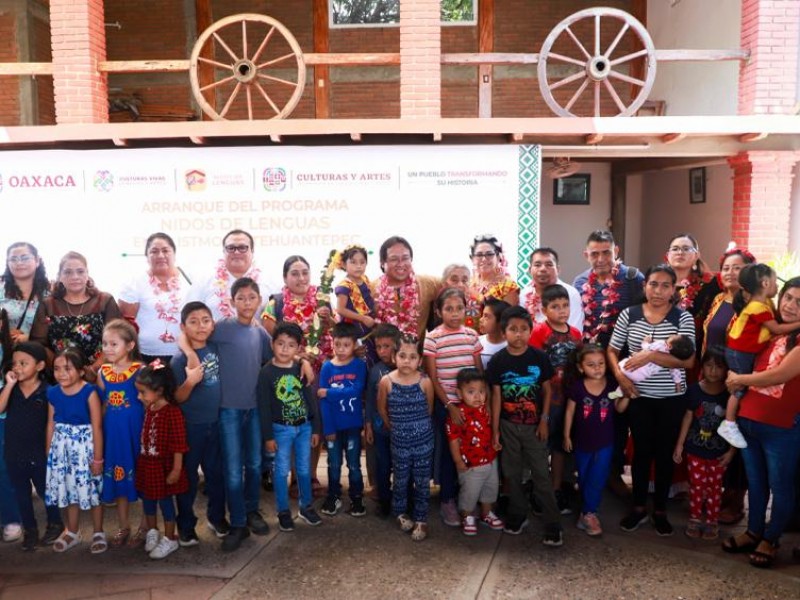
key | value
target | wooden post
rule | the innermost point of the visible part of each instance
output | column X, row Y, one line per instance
column 322, row 79
column 205, row 72
column 485, row 44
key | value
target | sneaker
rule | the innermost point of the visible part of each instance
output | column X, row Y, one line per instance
column 12, row 532
column 51, row 534
column 449, row 514
column 187, row 539
column 257, row 524
column 30, row 539
column 164, row 548
column 553, row 536
column 662, row 525
column 285, row 521
column 405, row 522
column 492, row 521
column 331, row 506
column 563, row 503
column 469, row 525
column 151, row 540
column 310, row 516
column 357, row 508
column 589, row 523
column 729, row 431
column 219, row 529
column 515, row 526
column 233, row 540
column 632, row 520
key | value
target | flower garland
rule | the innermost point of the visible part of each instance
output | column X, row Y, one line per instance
column 689, row 289
column 533, row 304
column 398, row 306
column 304, row 312
column 170, row 310
column 222, row 289
column 609, row 305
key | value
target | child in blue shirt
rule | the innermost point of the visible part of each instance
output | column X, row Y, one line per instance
column 341, row 387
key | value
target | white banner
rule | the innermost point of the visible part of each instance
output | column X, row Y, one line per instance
column 293, row 200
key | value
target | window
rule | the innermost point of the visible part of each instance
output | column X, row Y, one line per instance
column 386, row 13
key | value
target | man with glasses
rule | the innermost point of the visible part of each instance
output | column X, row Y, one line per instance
column 544, row 272
column 607, row 288
column 237, row 262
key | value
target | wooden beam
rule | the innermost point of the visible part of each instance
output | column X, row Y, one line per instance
column 143, row 66
column 490, row 58
column 752, row 137
column 351, row 58
column 26, row 68
column 204, row 18
column 594, row 138
column 322, row 80
column 485, row 44
column 671, row 138
column 701, row 55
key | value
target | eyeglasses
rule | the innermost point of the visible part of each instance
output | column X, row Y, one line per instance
column 684, row 249
column 71, row 272
column 396, row 260
column 237, row 249
column 20, row 258
column 480, row 255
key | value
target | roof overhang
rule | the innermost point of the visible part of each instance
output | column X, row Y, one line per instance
column 605, row 137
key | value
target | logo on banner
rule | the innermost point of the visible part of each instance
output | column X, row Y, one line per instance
column 195, row 180
column 103, row 181
column 274, row 179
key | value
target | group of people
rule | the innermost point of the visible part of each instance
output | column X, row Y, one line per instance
column 508, row 391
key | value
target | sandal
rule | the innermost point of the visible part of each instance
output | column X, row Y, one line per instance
column 764, row 555
column 711, row 532
column 138, row 539
column 405, row 522
column 66, row 541
column 120, row 537
column 420, row 531
column 693, row 529
column 744, row 542
column 99, row 543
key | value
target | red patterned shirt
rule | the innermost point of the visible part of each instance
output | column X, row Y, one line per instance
column 163, row 435
column 475, row 435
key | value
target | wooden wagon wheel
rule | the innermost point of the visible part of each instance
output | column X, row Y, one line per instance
column 597, row 64
column 248, row 70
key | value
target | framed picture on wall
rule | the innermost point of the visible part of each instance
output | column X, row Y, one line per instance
column 574, row 189
column 697, row 185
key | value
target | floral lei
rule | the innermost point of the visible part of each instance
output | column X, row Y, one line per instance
column 167, row 311
column 611, row 296
column 398, row 306
column 303, row 313
column 533, row 304
column 690, row 288
column 222, row 289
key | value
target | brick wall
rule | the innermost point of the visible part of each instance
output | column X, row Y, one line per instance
column 768, row 81
column 9, row 86
column 43, row 84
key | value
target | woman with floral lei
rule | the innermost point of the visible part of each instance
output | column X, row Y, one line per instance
column 302, row 303
column 77, row 312
column 697, row 285
column 402, row 298
column 490, row 277
column 154, row 298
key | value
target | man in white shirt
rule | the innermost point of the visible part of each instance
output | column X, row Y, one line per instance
column 544, row 271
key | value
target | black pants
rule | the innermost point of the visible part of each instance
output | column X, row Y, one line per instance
column 655, row 424
column 21, row 476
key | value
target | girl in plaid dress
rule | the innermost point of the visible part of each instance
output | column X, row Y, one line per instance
column 160, row 474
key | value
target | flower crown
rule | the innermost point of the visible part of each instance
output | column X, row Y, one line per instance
column 348, row 249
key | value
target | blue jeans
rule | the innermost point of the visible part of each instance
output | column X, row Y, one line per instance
column 770, row 460
column 288, row 438
column 167, row 508
column 448, row 476
column 593, row 469
column 740, row 362
column 240, row 434
column 347, row 442
column 383, row 463
column 204, row 451
column 9, row 511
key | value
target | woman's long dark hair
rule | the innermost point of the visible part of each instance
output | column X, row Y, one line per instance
column 794, row 282
column 40, row 282
column 5, row 340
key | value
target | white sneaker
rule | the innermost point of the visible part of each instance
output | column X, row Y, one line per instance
column 151, row 540
column 12, row 532
column 164, row 548
column 729, row 431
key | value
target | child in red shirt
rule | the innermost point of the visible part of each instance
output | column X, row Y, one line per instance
column 474, row 454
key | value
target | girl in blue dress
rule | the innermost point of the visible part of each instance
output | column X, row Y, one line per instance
column 123, row 416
